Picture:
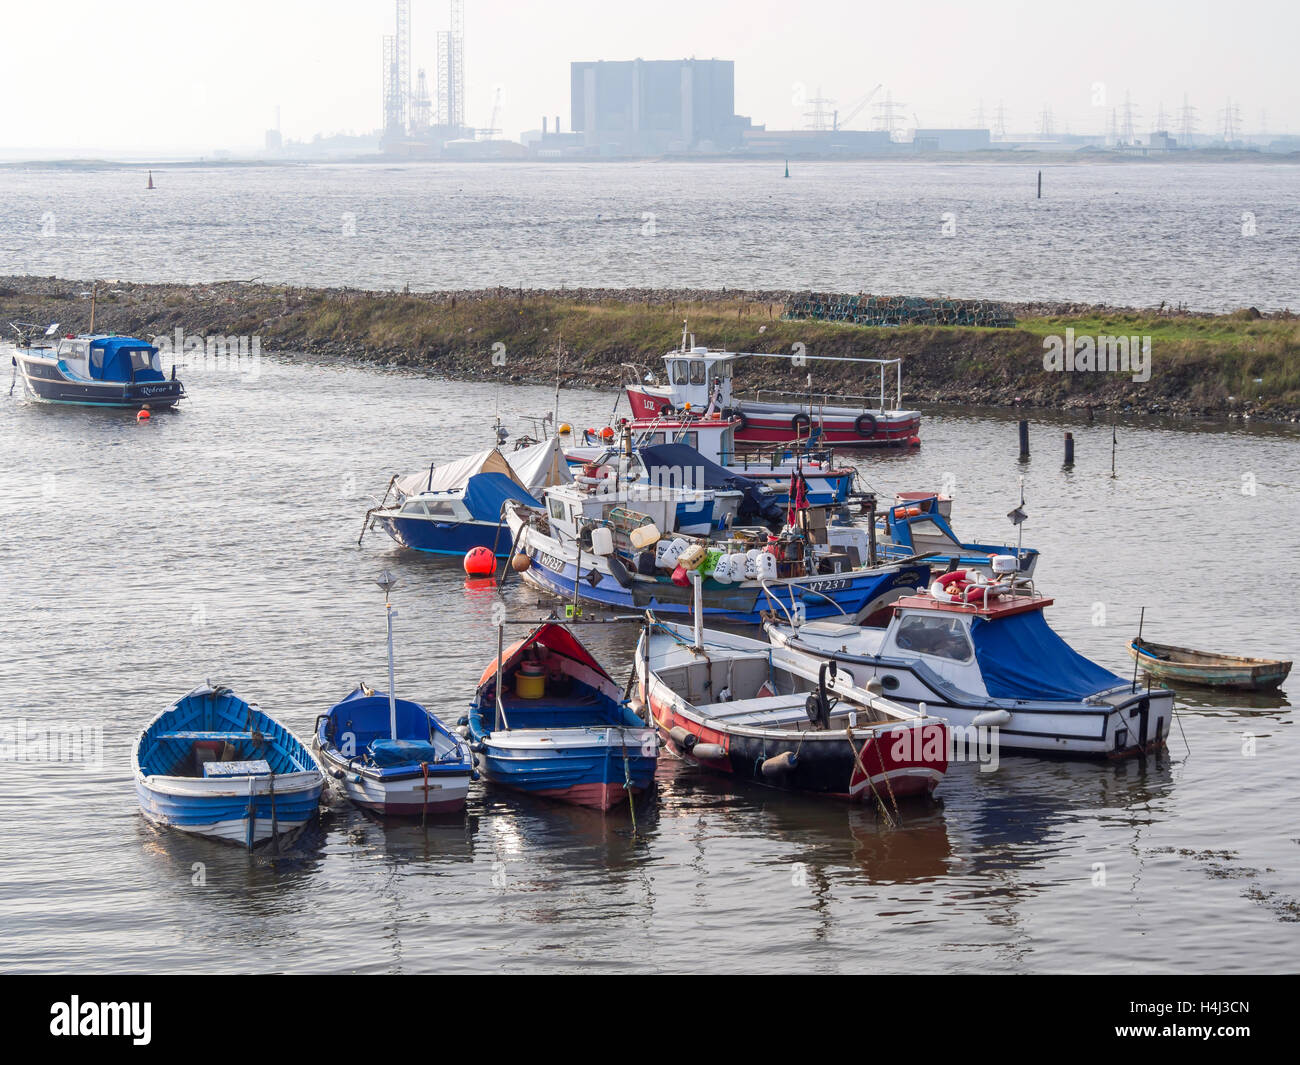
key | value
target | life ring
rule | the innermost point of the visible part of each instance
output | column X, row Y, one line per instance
column 967, row 588
column 800, row 419
column 869, row 419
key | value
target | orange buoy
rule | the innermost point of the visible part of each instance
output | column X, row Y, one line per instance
column 143, row 415
column 479, row 562
column 607, row 433
column 520, row 562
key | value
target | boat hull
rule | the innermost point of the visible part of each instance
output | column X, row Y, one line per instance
column 595, row 776
column 45, row 383
column 774, row 423
column 223, row 810
column 446, row 538
column 444, row 790
column 856, row 595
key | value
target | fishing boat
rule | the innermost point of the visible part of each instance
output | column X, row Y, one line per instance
column 1207, row 669
column 392, row 756
column 713, row 437
column 700, row 379
column 585, row 547
column 214, row 765
column 920, row 523
column 93, row 370
column 981, row 654
column 548, row 720
column 741, row 707
column 454, row 508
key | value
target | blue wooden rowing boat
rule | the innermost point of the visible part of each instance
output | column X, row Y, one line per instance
column 214, row 765
column 561, row 727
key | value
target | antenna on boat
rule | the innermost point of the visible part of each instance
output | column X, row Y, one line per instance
column 684, row 321
column 387, row 581
column 1018, row 518
column 94, row 288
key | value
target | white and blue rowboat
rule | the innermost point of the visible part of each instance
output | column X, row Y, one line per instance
column 548, row 720
column 425, row 770
column 988, row 659
column 214, row 765
column 559, row 558
column 99, row 370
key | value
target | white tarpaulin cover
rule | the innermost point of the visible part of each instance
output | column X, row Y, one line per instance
column 532, row 468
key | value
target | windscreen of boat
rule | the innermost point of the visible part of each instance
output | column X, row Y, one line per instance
column 124, row 359
column 1022, row 657
column 930, row 531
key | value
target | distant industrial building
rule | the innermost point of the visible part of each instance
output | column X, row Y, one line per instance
column 796, row 142
column 952, row 140
column 653, row 107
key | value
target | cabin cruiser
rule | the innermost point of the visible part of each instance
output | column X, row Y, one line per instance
column 93, row 370
column 981, row 654
column 700, row 379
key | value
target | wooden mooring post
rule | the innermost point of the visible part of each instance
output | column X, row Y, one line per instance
column 1024, row 440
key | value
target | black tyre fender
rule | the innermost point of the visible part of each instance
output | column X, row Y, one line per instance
column 800, row 419
column 866, row 424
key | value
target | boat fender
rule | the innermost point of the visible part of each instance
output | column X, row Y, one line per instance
column 462, row 731
column 338, row 774
column 708, row 751
column 779, row 764
column 766, row 566
column 865, row 425
column 722, row 571
column 685, row 740
column 739, row 420
column 692, row 557
column 666, row 410
column 991, row 719
column 800, row 420
column 681, row 577
column 646, row 563
column 520, row 562
column 473, row 774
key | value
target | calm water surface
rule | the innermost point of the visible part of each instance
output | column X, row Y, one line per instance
column 220, row 542
column 1210, row 237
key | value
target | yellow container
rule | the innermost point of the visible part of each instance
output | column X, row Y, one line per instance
column 530, row 684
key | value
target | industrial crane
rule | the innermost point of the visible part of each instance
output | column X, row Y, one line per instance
column 836, row 124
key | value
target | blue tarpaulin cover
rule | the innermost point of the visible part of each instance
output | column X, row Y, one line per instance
column 758, row 501
column 110, row 360
column 1021, row 657
column 485, row 492
column 388, row 753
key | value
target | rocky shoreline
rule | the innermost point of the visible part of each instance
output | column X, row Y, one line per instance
column 1240, row 365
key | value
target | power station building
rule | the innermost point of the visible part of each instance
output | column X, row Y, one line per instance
column 652, row 107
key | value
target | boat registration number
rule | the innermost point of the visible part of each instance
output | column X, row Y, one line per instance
column 833, row 584
column 549, row 562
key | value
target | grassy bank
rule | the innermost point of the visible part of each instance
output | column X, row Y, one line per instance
column 1241, row 363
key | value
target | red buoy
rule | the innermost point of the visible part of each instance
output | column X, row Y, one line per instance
column 143, row 414
column 607, row 433
column 480, row 562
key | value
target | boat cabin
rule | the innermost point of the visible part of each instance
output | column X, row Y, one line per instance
column 699, row 377
column 110, row 358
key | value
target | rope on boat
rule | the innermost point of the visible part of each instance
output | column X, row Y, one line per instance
column 275, row 825
column 848, row 730
column 424, row 810
column 627, row 780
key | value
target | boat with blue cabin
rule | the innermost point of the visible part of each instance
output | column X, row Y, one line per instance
column 981, row 654
column 99, row 370
column 921, row 523
column 453, row 508
column 548, row 720
column 214, row 765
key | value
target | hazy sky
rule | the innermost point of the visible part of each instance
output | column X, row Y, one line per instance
column 191, row 76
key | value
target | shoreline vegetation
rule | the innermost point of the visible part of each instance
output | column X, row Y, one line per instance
column 1243, row 364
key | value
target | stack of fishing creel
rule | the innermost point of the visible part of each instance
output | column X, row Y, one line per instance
column 866, row 309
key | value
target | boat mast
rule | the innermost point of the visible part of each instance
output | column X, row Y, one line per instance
column 386, row 581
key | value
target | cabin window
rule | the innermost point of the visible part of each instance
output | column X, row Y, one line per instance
column 442, row 508
column 943, row 637
column 655, row 440
column 692, row 439
column 557, row 510
column 414, row 506
column 697, row 371
column 681, row 372
column 142, row 360
column 721, row 371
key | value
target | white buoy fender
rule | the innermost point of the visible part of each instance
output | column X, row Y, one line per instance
column 991, row 719
column 681, row 737
column 708, row 751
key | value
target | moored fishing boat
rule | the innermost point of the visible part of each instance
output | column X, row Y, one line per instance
column 920, row 524
column 392, row 756
column 1207, row 669
column 981, row 654
column 702, row 378
column 93, row 370
column 214, row 765
column 548, row 720
column 740, row 707
column 454, row 508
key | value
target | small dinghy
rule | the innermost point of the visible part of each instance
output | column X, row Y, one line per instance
column 755, row 712
column 1206, row 668
column 392, row 756
column 548, row 720
column 214, row 765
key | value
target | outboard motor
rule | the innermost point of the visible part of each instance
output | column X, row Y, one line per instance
column 821, row 702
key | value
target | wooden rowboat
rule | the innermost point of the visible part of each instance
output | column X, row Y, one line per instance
column 1206, row 669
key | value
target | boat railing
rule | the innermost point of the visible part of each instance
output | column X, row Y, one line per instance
column 824, row 399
